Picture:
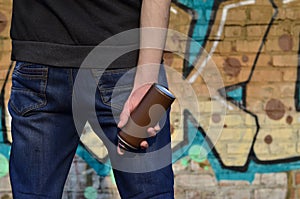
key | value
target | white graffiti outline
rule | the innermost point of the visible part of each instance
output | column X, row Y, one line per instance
column 193, row 78
column 287, row 1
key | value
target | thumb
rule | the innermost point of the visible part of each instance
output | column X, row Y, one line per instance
column 124, row 116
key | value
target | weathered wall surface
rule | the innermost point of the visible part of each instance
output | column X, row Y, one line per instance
column 254, row 44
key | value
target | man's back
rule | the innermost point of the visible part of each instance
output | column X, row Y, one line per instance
column 67, row 30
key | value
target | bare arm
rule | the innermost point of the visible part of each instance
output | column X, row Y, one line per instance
column 154, row 19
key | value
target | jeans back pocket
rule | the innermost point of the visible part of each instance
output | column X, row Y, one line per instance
column 115, row 86
column 28, row 90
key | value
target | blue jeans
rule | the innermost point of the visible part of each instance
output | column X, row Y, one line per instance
column 45, row 137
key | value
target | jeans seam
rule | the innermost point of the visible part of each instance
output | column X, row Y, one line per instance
column 30, row 108
column 113, row 71
column 71, row 76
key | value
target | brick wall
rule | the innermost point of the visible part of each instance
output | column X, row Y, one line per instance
column 245, row 142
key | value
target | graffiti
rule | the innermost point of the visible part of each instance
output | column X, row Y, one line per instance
column 4, row 146
column 259, row 146
column 202, row 14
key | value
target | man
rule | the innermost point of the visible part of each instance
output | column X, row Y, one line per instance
column 50, row 40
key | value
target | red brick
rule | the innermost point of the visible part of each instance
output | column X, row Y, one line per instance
column 297, row 178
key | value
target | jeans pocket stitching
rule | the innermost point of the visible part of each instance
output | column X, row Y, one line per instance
column 22, row 69
column 38, row 105
column 41, row 74
column 41, row 94
column 108, row 102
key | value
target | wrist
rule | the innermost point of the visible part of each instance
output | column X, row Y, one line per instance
column 146, row 74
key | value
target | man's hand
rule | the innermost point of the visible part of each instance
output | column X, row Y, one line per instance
column 131, row 103
column 155, row 15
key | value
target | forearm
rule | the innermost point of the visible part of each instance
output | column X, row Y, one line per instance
column 153, row 23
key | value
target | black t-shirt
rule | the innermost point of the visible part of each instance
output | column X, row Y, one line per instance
column 63, row 32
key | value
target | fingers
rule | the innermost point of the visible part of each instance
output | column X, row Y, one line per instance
column 123, row 120
column 144, row 144
column 133, row 100
column 120, row 151
column 124, row 116
column 152, row 131
column 157, row 127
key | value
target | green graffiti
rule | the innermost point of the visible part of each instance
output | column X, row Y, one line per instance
column 184, row 161
column 90, row 193
column 112, row 176
column 3, row 166
column 197, row 153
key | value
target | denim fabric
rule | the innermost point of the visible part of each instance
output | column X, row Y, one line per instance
column 45, row 137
